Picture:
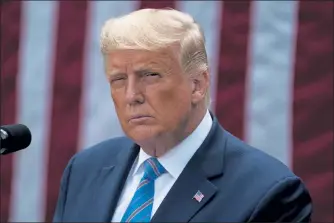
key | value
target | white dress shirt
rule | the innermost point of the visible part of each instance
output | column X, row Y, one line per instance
column 173, row 161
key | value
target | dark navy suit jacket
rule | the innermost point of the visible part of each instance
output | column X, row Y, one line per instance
column 239, row 184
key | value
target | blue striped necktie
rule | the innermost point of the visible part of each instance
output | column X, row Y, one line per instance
column 140, row 208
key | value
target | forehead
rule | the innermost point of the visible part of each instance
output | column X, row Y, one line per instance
column 132, row 59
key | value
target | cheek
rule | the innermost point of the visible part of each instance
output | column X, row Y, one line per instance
column 118, row 100
column 171, row 103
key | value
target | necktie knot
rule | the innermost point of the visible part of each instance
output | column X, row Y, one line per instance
column 140, row 208
column 153, row 169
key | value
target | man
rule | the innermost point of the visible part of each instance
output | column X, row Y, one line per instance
column 176, row 163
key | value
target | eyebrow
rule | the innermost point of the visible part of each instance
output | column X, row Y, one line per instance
column 140, row 71
column 116, row 73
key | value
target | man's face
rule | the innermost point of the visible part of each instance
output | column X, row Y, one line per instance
column 152, row 96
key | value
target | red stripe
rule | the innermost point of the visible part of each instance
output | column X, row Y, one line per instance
column 154, row 167
column 144, row 182
column 139, row 209
column 313, row 105
column 232, row 66
column 10, row 45
column 67, row 93
column 157, row 4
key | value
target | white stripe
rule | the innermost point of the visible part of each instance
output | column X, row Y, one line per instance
column 270, row 78
column 208, row 15
column 34, row 84
column 99, row 119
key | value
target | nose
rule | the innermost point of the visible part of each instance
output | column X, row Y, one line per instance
column 134, row 94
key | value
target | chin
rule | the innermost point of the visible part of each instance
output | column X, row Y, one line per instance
column 142, row 133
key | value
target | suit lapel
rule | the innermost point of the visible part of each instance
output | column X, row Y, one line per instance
column 109, row 184
column 179, row 204
column 206, row 164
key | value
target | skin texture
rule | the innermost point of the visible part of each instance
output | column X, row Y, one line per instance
column 157, row 104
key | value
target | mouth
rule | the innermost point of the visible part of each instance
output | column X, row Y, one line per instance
column 139, row 118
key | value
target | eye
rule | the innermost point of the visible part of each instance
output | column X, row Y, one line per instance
column 152, row 74
column 115, row 80
column 118, row 79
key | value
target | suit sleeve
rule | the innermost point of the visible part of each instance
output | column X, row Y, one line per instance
column 64, row 184
column 287, row 201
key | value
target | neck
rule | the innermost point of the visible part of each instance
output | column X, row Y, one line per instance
column 158, row 146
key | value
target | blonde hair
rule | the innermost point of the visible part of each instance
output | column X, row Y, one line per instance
column 155, row 29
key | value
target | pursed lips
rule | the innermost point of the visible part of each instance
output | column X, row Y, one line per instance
column 139, row 117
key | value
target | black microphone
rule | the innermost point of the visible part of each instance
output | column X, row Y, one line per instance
column 14, row 138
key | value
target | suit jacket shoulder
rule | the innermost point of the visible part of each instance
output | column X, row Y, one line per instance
column 103, row 153
column 84, row 176
column 246, row 161
column 254, row 186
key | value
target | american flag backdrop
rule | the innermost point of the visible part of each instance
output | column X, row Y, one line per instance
column 271, row 76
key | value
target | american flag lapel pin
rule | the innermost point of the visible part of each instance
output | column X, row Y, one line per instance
column 198, row 196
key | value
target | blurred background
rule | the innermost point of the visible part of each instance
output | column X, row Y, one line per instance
column 271, row 75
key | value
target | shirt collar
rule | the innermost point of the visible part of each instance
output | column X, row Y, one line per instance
column 177, row 158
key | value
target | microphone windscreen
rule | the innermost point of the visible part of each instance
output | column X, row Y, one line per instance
column 19, row 136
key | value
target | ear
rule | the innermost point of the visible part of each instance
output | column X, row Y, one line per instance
column 200, row 85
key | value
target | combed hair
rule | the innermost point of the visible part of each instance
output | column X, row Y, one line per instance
column 156, row 29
